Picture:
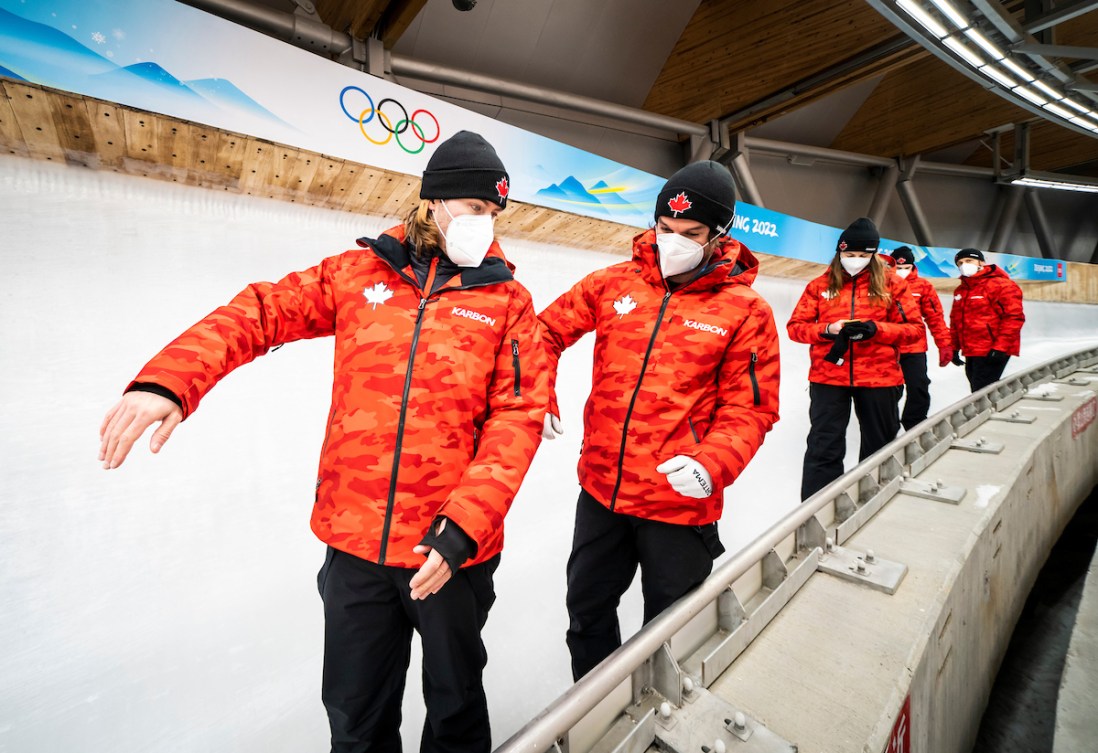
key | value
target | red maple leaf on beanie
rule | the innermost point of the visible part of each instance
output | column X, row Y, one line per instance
column 502, row 188
column 679, row 203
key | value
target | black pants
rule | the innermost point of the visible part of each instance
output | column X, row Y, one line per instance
column 982, row 371
column 369, row 617
column 917, row 382
column 607, row 547
column 878, row 414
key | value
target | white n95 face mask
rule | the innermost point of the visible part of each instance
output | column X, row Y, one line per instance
column 969, row 268
column 469, row 237
column 903, row 272
column 677, row 253
column 854, row 264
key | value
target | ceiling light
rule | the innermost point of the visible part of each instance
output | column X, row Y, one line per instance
column 928, row 21
column 963, row 52
column 1062, row 185
column 988, row 46
column 951, row 13
column 1052, row 93
column 1055, row 109
column 1017, row 70
column 1029, row 94
column 1076, row 106
column 998, row 76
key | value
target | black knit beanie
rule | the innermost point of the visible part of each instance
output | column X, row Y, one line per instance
column 465, row 166
column 703, row 192
column 862, row 235
column 968, row 253
column 903, row 255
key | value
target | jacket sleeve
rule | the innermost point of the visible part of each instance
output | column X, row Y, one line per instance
column 747, row 398
column 804, row 324
column 1008, row 302
column 511, row 432
column 930, row 306
column 563, row 322
column 264, row 315
column 903, row 323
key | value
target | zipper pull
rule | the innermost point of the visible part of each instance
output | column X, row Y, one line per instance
column 754, row 357
column 514, row 348
column 422, row 303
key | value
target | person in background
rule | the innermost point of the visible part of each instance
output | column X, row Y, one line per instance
column 986, row 319
column 439, row 393
column 913, row 356
column 684, row 389
column 855, row 317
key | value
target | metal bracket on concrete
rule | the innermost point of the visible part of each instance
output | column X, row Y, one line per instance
column 875, row 496
column 721, row 649
column 1048, row 398
column 706, row 725
column 868, row 569
column 970, row 416
column 932, row 445
column 629, row 735
column 1075, row 381
column 936, row 491
column 978, row 445
column 1014, row 417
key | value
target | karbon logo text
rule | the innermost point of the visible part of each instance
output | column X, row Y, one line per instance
column 379, row 123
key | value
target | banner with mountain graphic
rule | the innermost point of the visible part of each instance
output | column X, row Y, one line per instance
column 169, row 58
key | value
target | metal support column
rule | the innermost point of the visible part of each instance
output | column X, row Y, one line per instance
column 1010, row 201
column 911, row 203
column 741, row 170
column 889, row 177
column 1045, row 240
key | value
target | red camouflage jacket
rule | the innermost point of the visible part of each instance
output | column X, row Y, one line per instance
column 437, row 400
column 930, row 306
column 691, row 372
column 987, row 313
column 868, row 363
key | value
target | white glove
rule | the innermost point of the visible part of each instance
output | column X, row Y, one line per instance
column 552, row 427
column 687, row 476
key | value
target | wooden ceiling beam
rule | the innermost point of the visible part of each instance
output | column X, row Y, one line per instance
column 385, row 19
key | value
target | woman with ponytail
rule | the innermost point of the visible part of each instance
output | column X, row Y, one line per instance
column 855, row 316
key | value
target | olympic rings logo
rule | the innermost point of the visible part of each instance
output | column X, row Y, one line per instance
column 366, row 115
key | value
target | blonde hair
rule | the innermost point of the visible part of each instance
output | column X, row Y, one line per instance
column 878, row 283
column 421, row 231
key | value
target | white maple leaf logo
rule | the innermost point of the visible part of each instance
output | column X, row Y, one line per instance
column 379, row 293
column 624, row 305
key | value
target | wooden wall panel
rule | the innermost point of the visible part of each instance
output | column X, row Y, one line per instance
column 106, row 121
column 11, row 135
column 35, row 118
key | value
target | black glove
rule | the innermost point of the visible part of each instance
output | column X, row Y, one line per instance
column 838, row 348
column 956, row 360
column 452, row 543
column 855, row 331
column 997, row 356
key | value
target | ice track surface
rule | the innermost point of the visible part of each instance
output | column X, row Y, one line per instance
column 171, row 605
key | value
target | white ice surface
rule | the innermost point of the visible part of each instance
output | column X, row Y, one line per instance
column 171, row 605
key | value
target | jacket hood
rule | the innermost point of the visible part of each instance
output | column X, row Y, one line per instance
column 731, row 263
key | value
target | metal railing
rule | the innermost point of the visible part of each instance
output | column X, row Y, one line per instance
column 836, row 511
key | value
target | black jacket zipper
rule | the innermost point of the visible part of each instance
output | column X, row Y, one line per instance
column 633, row 399
column 754, row 381
column 515, row 363
column 400, row 433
